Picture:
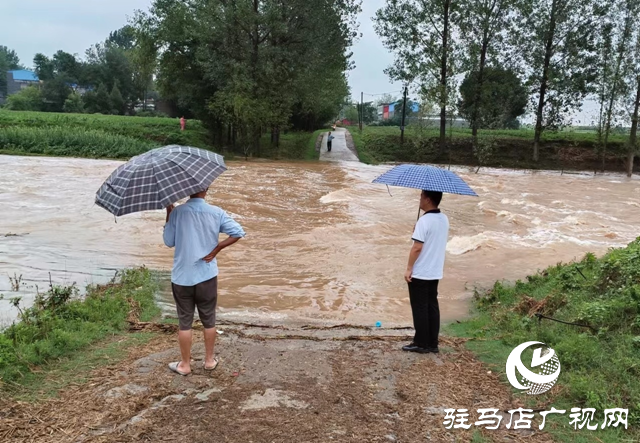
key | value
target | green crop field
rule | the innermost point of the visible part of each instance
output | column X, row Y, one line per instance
column 120, row 137
column 94, row 136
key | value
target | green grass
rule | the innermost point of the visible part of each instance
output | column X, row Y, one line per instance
column 599, row 369
column 159, row 131
column 514, row 148
column 293, row 145
column 61, row 324
column 77, row 367
column 311, row 153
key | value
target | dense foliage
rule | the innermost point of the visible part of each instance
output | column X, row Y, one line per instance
column 60, row 322
column 243, row 67
column 564, row 51
column 501, row 100
column 601, row 359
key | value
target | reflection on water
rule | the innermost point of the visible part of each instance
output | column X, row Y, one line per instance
column 323, row 242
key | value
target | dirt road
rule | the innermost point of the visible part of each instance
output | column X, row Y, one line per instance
column 273, row 385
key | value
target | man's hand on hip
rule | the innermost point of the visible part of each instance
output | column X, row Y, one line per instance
column 209, row 258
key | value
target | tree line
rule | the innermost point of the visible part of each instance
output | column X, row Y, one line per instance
column 246, row 67
column 564, row 51
column 242, row 67
column 112, row 78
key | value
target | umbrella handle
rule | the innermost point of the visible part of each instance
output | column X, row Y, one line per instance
column 418, row 212
column 389, row 190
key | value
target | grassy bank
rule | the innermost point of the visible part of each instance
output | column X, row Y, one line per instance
column 120, row 137
column 60, row 324
column 600, row 361
column 512, row 148
column 292, row 145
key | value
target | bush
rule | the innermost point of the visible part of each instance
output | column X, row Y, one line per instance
column 601, row 358
column 74, row 104
column 28, row 99
column 151, row 113
column 60, row 323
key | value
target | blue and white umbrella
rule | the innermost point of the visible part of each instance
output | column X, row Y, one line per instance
column 158, row 178
column 426, row 178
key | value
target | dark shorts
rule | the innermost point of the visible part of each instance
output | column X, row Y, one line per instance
column 204, row 296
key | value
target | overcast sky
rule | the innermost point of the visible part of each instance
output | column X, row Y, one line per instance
column 32, row 26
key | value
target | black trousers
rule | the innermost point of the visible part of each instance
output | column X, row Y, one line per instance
column 426, row 312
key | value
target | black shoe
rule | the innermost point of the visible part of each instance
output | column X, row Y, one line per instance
column 419, row 349
column 411, row 347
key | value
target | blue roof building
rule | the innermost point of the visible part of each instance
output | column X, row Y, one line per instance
column 17, row 80
column 23, row 75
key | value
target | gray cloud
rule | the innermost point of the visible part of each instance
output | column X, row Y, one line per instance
column 32, row 26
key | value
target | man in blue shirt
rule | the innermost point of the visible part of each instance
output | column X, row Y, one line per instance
column 194, row 229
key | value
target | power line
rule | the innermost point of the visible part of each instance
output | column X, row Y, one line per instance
column 385, row 93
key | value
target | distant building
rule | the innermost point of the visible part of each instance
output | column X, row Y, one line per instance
column 18, row 80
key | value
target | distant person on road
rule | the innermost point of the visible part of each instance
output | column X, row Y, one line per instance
column 329, row 140
column 183, row 123
column 193, row 229
column 424, row 271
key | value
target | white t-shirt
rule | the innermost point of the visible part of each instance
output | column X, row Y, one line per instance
column 432, row 229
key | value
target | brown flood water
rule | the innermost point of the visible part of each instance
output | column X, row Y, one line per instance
column 323, row 242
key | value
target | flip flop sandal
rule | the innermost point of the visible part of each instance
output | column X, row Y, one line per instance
column 174, row 367
column 204, row 365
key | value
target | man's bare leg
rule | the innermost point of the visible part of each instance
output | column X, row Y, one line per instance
column 184, row 338
column 209, row 343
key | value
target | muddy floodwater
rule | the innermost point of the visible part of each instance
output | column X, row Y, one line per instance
column 322, row 244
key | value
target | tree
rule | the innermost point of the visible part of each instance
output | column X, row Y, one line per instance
column 386, row 99
column 482, row 27
column 351, row 113
column 117, row 102
column 420, row 34
column 108, row 64
column 11, row 58
column 124, row 38
column 102, row 102
column 369, row 113
column 74, row 104
column 8, row 61
column 556, row 41
column 633, row 102
column 44, row 67
column 617, row 35
column 247, row 67
column 4, row 67
column 66, row 64
column 502, row 99
column 28, row 99
column 55, row 93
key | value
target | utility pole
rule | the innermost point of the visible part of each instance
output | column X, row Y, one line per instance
column 404, row 113
column 361, row 109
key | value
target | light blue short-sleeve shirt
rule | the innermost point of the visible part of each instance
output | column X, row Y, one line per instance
column 193, row 229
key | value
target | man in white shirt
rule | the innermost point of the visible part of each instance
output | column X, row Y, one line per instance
column 425, row 270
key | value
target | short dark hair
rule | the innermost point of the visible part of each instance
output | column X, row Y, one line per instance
column 434, row 196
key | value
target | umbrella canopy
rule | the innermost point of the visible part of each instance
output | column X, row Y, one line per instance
column 158, row 178
column 427, row 178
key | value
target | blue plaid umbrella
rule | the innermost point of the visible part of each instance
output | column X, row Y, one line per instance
column 158, row 178
column 426, row 178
